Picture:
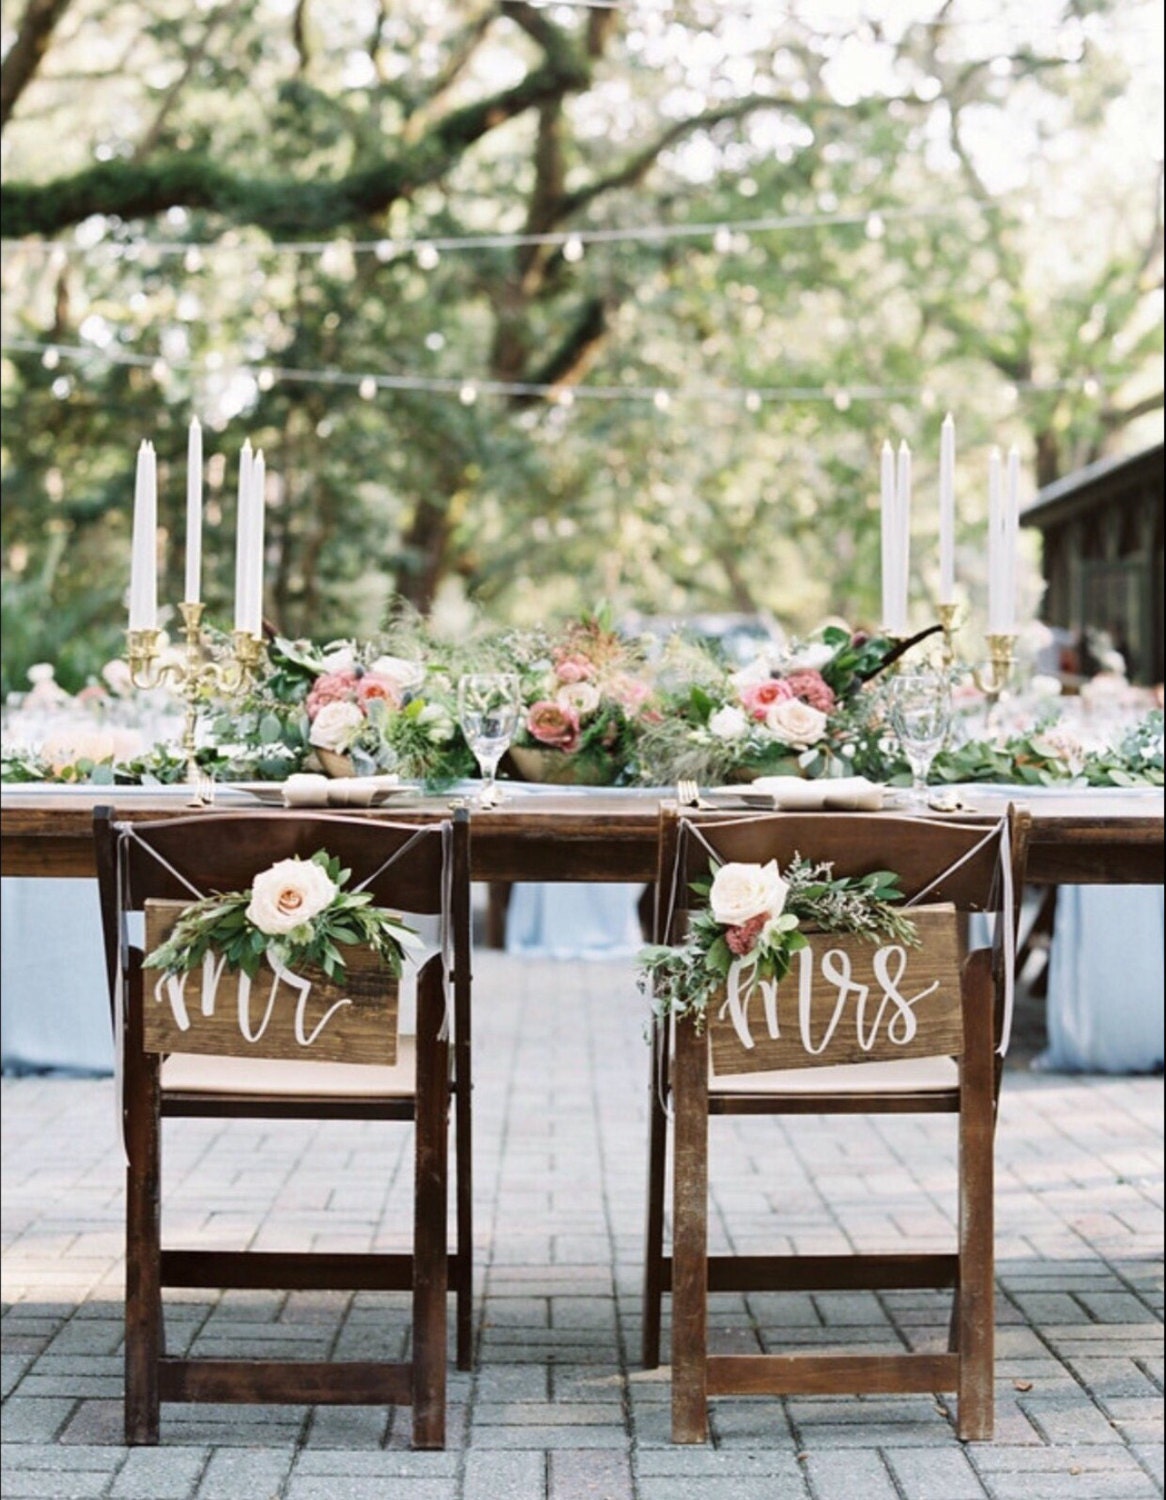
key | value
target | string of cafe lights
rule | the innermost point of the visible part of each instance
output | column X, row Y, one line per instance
column 724, row 235
column 369, row 385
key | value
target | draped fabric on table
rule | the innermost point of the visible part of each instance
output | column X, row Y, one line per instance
column 573, row 920
column 54, row 1000
column 1105, row 1006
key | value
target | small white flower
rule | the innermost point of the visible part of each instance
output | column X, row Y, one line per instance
column 1044, row 685
column 336, row 726
column 117, row 678
column 767, row 661
column 740, row 892
column 340, row 659
column 729, row 723
column 291, row 893
column 437, row 723
column 811, row 657
column 403, row 674
column 795, row 723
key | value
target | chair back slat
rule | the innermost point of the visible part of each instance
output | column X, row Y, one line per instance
column 224, row 852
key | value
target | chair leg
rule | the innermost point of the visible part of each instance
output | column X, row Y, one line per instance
column 143, row 1296
column 654, row 1223
column 975, row 1298
column 464, row 1282
column 690, row 1238
column 430, row 1231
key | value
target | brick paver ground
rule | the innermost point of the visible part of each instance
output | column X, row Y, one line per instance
column 557, row 1408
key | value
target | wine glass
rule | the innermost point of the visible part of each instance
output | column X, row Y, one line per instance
column 921, row 717
column 487, row 710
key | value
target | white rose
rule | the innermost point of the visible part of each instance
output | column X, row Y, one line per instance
column 795, row 723
column 117, row 678
column 760, row 669
column 291, row 893
column 336, row 726
column 403, row 674
column 742, row 892
column 728, row 723
column 583, row 697
column 810, row 658
column 1044, row 685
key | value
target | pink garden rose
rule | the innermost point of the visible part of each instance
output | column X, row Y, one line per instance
column 553, row 724
column 331, row 687
column 629, row 692
column 759, row 697
column 811, row 687
column 374, row 685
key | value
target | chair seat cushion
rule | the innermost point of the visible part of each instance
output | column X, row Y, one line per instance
column 899, row 1075
column 263, row 1076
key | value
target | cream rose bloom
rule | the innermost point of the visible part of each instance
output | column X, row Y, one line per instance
column 340, row 659
column 741, row 892
column 811, row 657
column 403, row 674
column 795, row 723
column 336, row 726
column 291, row 893
column 583, row 697
column 728, row 723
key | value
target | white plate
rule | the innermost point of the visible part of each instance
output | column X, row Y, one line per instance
column 1018, row 793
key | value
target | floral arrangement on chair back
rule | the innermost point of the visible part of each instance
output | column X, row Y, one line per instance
column 797, row 709
column 585, row 692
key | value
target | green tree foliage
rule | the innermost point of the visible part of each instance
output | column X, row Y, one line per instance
column 225, row 210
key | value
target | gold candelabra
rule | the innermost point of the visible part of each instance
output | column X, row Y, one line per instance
column 193, row 677
column 948, row 618
column 994, row 675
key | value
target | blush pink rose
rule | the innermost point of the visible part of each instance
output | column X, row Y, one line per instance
column 574, row 668
column 812, row 688
column 629, row 692
column 758, row 698
column 331, row 687
column 553, row 724
column 374, row 685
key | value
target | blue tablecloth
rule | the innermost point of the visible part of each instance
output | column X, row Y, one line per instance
column 54, row 1000
column 1105, row 1006
column 573, row 920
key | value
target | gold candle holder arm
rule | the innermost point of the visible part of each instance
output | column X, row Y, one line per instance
column 948, row 615
column 993, row 677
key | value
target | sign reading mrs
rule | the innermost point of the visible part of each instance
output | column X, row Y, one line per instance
column 845, row 1000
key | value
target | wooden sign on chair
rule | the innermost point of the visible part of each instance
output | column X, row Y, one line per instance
column 847, row 999
column 288, row 1015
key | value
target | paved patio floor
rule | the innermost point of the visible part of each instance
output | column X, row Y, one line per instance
column 557, row 1408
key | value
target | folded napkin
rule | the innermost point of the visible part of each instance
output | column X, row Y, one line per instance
column 307, row 790
column 837, row 793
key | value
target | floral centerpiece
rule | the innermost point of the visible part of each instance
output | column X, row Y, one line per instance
column 584, row 694
column 754, row 923
column 296, row 913
column 352, row 708
column 792, row 711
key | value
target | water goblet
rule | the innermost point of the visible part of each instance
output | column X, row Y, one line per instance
column 920, row 712
column 487, row 706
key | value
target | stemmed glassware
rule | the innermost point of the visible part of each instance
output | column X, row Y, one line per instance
column 487, row 707
column 920, row 711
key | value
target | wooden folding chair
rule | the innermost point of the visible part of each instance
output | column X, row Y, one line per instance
column 418, row 870
column 970, row 868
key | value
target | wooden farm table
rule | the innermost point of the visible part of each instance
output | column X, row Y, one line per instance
column 1078, row 837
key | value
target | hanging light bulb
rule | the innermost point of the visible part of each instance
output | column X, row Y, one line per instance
column 573, row 249
column 427, row 256
column 661, row 400
column 723, row 240
column 752, row 401
column 367, row 387
column 468, row 393
column 384, row 250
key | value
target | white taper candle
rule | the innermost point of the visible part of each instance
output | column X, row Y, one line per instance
column 947, row 511
column 255, row 592
column 144, row 547
column 193, row 512
column 887, row 526
column 996, row 584
column 242, row 533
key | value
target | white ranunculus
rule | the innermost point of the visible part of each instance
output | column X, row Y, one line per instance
column 403, row 674
column 795, row 723
column 291, row 893
column 336, row 726
column 768, row 660
column 583, row 697
column 741, row 892
column 811, row 657
column 1045, row 685
column 728, row 723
